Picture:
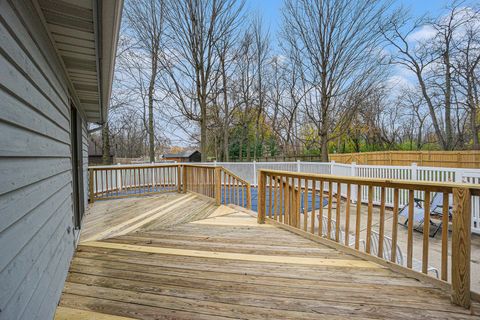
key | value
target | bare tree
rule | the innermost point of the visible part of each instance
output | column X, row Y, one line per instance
column 431, row 60
column 466, row 65
column 146, row 21
column 195, row 29
column 338, row 42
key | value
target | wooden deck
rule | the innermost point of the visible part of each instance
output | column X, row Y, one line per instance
column 178, row 256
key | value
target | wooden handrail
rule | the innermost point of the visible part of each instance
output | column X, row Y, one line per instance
column 387, row 183
column 286, row 188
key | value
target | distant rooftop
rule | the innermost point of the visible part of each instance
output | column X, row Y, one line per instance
column 183, row 154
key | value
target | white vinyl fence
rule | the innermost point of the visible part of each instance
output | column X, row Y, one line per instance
column 248, row 171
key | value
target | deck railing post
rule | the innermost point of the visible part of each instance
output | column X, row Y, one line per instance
column 90, row 186
column 461, row 247
column 218, row 185
column 261, row 197
column 184, row 178
column 179, row 179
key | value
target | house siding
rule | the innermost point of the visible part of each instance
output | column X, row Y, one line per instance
column 36, row 213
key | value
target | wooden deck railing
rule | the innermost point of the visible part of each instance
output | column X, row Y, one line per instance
column 312, row 204
column 218, row 183
column 109, row 182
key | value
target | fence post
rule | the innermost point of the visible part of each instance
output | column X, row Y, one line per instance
column 461, row 241
column 218, row 185
column 414, row 171
column 255, row 173
column 298, row 166
column 184, row 178
column 261, row 198
column 332, row 164
column 90, row 186
column 459, row 176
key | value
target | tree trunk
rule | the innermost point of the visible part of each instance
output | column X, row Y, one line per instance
column 473, row 114
column 448, row 101
column 105, row 144
column 226, row 156
column 203, row 131
column 324, row 147
column 431, row 110
column 151, row 93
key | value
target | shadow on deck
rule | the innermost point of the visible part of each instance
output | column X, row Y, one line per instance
column 180, row 256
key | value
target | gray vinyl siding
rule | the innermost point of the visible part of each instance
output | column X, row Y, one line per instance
column 36, row 215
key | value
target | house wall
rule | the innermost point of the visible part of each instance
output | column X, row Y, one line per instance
column 36, row 215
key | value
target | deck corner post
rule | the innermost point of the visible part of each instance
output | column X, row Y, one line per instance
column 184, row 177
column 218, row 185
column 90, row 186
column 461, row 244
column 261, row 197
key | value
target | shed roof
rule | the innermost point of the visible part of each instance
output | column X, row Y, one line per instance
column 183, row 154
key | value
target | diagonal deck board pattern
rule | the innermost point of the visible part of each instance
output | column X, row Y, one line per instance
column 228, row 267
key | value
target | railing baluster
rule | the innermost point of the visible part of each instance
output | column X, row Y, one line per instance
column 298, row 191
column 381, row 228
column 411, row 200
column 393, row 256
column 305, row 205
column 312, row 215
column 426, row 232
column 106, row 183
column 329, row 212
column 261, row 197
column 369, row 218
column 320, row 210
column 287, row 201
column 275, row 199
column 347, row 215
column 270, row 207
column 445, row 220
column 339, row 206
column 282, row 200
column 96, row 183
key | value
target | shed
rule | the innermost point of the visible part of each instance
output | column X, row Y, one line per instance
column 185, row 156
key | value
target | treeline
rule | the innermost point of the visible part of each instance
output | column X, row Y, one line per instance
column 340, row 76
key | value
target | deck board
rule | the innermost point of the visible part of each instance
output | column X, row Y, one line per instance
column 223, row 265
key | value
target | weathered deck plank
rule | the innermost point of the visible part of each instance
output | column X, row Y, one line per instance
column 231, row 267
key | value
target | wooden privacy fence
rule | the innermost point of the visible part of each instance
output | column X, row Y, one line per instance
column 109, row 182
column 300, row 202
column 453, row 159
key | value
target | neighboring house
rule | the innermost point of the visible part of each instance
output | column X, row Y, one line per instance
column 95, row 154
column 185, row 156
column 56, row 69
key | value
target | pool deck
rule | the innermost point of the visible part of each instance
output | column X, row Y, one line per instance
column 179, row 256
